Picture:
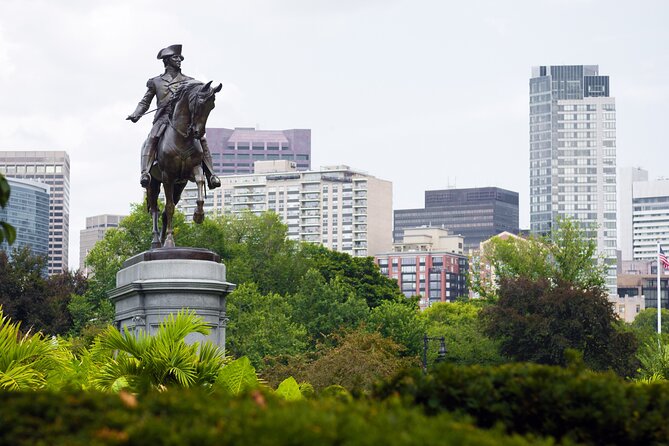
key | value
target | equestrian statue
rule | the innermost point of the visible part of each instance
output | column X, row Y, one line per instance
column 176, row 149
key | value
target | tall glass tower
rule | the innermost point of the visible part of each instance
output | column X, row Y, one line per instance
column 573, row 154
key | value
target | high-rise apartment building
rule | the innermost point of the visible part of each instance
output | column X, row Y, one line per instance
column 52, row 168
column 234, row 151
column 28, row 211
column 96, row 227
column 336, row 206
column 573, row 154
column 475, row 213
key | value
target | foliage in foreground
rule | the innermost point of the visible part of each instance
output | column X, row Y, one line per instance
column 190, row 417
column 570, row 404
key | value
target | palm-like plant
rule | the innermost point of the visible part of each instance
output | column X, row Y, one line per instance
column 654, row 359
column 143, row 362
column 27, row 361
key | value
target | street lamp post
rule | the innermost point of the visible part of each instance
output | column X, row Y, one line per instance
column 441, row 355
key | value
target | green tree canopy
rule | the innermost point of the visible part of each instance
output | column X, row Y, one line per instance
column 567, row 255
column 461, row 327
column 325, row 307
column 537, row 322
column 401, row 323
column 38, row 302
column 261, row 325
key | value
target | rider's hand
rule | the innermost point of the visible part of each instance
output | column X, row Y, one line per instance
column 133, row 118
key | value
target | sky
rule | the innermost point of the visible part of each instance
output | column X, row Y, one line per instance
column 426, row 94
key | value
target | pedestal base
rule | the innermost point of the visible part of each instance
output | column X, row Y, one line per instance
column 155, row 283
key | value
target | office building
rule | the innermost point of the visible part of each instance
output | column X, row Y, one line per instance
column 573, row 154
column 627, row 176
column 341, row 208
column 650, row 218
column 96, row 227
column 234, row 151
column 51, row 168
column 28, row 212
column 428, row 262
column 475, row 213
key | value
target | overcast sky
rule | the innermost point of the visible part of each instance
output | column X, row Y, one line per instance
column 426, row 94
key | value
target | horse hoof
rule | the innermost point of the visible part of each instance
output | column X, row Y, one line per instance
column 198, row 217
column 155, row 245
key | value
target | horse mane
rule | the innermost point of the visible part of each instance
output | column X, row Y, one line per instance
column 186, row 88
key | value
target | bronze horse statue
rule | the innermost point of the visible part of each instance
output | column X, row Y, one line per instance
column 179, row 157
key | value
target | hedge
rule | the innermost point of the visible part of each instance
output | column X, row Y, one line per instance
column 569, row 404
column 188, row 417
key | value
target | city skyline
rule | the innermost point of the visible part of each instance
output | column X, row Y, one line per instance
column 426, row 96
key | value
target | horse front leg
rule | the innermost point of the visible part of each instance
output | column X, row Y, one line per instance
column 198, row 215
column 168, row 187
column 152, row 196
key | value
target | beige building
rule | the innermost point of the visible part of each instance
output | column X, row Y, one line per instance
column 96, row 227
column 427, row 239
column 341, row 208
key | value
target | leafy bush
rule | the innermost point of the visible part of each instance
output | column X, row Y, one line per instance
column 190, row 417
column 566, row 403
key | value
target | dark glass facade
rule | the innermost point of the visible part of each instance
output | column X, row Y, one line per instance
column 475, row 213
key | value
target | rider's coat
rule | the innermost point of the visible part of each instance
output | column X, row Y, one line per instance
column 162, row 87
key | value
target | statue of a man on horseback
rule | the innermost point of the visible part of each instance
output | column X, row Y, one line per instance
column 164, row 87
column 175, row 151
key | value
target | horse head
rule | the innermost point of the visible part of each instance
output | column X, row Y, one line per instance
column 201, row 103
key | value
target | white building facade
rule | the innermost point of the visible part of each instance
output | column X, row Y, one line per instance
column 650, row 218
column 573, row 155
column 96, row 227
column 336, row 206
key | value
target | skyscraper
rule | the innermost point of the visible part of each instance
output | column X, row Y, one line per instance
column 52, row 168
column 28, row 211
column 573, row 154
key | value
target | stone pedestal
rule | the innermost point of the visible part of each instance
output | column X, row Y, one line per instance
column 158, row 282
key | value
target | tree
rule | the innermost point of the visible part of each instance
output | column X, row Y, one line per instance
column 261, row 325
column 645, row 323
column 261, row 252
column 537, row 322
column 567, row 255
column 27, row 296
column 7, row 231
column 401, row 323
column 461, row 327
column 325, row 307
column 361, row 273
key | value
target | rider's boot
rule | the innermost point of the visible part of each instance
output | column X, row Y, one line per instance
column 212, row 180
column 147, row 160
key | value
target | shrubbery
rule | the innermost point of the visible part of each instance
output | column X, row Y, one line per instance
column 189, row 417
column 566, row 403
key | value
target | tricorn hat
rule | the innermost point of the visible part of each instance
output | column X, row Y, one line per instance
column 170, row 51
